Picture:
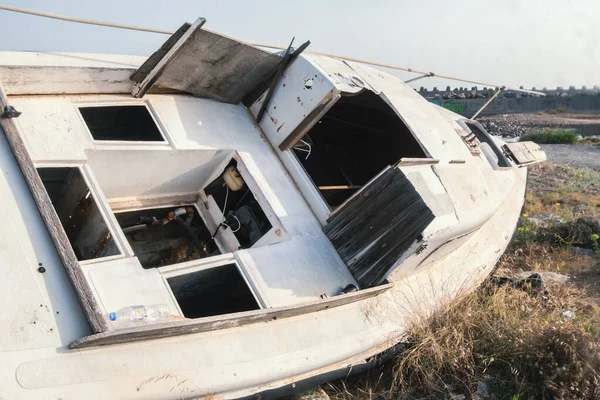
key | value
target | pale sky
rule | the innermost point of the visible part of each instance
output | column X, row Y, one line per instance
column 510, row 42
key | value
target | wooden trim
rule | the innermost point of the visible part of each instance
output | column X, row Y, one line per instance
column 311, row 119
column 407, row 162
column 140, row 89
column 187, row 327
column 123, row 204
column 91, row 309
column 341, row 187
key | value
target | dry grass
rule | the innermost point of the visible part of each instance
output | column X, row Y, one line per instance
column 515, row 342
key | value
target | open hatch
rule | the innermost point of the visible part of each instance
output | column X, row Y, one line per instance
column 356, row 139
column 78, row 212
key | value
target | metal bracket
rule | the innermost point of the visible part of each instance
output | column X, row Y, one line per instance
column 420, row 77
column 7, row 111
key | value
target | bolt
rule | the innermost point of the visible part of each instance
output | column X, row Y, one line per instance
column 41, row 270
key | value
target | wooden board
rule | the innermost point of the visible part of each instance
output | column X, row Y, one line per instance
column 207, row 64
column 525, row 153
column 93, row 313
column 187, row 327
column 375, row 227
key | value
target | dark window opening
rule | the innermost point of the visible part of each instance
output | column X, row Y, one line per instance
column 166, row 236
column 486, row 140
column 214, row 291
column 78, row 212
column 354, row 141
column 127, row 123
column 241, row 211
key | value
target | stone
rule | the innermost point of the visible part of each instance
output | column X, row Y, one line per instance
column 544, row 219
column 546, row 276
column 568, row 314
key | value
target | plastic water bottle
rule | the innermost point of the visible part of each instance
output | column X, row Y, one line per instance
column 133, row 316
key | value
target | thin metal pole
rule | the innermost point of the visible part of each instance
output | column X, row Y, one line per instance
column 268, row 46
column 488, row 102
column 420, row 77
column 83, row 20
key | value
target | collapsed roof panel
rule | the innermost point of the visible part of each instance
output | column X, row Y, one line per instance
column 206, row 64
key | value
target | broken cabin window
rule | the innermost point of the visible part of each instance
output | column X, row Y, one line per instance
column 355, row 140
column 241, row 211
column 132, row 123
column 78, row 212
column 213, row 291
column 165, row 236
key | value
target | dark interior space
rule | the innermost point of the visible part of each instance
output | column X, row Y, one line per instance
column 214, row 291
column 158, row 238
column 78, row 212
column 356, row 139
column 128, row 123
column 241, row 210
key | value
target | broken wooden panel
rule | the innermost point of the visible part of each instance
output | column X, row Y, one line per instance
column 525, row 153
column 374, row 228
column 206, row 64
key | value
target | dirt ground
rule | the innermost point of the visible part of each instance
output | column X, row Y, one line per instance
column 573, row 154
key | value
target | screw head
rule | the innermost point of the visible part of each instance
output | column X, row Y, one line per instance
column 41, row 270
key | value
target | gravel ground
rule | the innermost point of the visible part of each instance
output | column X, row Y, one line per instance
column 513, row 125
column 573, row 154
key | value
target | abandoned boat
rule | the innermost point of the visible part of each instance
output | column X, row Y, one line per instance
column 162, row 239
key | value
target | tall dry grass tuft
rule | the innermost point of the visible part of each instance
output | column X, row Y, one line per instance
column 519, row 344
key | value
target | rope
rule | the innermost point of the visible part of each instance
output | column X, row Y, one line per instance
column 268, row 46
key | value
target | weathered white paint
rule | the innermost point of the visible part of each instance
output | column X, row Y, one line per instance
column 123, row 283
column 239, row 361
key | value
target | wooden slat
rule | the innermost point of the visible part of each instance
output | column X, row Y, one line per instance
column 341, row 187
column 311, row 119
column 222, row 321
column 207, row 64
column 140, row 89
column 154, row 59
column 92, row 311
column 378, row 225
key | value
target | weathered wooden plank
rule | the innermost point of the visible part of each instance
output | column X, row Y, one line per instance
column 154, row 59
column 30, row 80
column 92, row 311
column 406, row 162
column 187, row 327
column 378, row 225
column 311, row 119
column 140, row 89
column 133, row 203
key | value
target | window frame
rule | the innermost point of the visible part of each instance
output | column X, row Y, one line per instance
column 166, row 141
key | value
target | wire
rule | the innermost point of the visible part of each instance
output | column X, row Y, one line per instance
column 268, row 46
column 226, row 196
column 309, row 148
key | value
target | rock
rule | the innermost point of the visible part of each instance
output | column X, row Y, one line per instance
column 482, row 391
column 544, row 219
column 568, row 314
column 546, row 276
column 582, row 251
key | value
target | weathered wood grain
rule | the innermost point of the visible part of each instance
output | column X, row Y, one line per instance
column 187, row 327
column 311, row 119
column 92, row 311
column 140, row 89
